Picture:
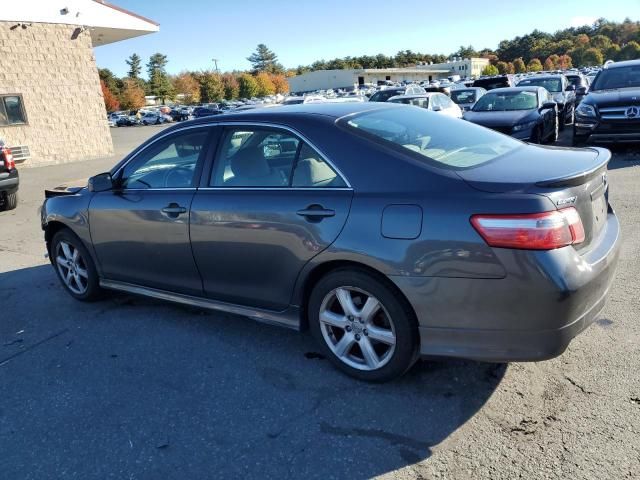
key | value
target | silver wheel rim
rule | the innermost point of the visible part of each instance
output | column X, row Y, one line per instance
column 72, row 268
column 357, row 328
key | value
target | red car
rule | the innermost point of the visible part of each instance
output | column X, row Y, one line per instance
column 9, row 179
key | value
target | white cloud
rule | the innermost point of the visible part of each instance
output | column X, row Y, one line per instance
column 581, row 21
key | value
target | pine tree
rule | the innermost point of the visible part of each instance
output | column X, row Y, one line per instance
column 135, row 66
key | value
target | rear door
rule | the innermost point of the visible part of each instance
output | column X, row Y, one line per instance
column 271, row 203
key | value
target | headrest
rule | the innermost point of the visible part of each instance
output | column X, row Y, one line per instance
column 249, row 163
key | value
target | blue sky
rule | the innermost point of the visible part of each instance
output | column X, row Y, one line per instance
column 192, row 32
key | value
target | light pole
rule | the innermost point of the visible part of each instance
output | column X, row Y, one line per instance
column 215, row 62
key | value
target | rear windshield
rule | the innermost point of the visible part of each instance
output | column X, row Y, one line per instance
column 437, row 139
column 463, row 96
column 501, row 101
column 552, row 84
column 384, row 95
column 491, row 83
column 618, row 77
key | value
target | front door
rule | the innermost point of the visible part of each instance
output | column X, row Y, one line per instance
column 141, row 229
column 272, row 203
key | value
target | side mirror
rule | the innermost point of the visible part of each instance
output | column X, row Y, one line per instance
column 101, row 183
column 571, row 88
column 582, row 91
column 437, row 108
column 548, row 105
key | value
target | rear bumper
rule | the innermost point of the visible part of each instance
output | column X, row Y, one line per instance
column 546, row 299
column 9, row 182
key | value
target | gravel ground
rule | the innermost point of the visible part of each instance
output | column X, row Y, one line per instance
column 138, row 389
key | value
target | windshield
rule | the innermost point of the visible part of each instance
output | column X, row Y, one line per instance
column 552, row 84
column 463, row 96
column 620, row 77
column 506, row 101
column 384, row 95
column 439, row 140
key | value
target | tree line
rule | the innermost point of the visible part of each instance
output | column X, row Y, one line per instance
column 267, row 77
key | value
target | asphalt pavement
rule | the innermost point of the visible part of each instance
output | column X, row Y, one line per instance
column 132, row 388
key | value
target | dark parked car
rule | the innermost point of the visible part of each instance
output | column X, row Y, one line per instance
column 526, row 113
column 389, row 231
column 467, row 97
column 497, row 81
column 9, row 179
column 199, row 112
column 564, row 94
column 610, row 113
column 581, row 84
column 127, row 121
column 387, row 93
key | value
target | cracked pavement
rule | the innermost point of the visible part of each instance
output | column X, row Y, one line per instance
column 139, row 389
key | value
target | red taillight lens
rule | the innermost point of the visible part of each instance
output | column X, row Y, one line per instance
column 534, row 231
column 7, row 158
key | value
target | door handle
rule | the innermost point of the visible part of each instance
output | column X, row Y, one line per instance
column 315, row 213
column 173, row 210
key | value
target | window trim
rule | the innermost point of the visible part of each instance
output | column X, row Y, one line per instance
column 4, row 109
column 202, row 183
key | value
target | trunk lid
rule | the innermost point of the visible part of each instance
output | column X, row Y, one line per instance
column 568, row 177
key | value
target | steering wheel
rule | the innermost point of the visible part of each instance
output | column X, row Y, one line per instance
column 180, row 176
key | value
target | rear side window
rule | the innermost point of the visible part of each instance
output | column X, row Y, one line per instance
column 436, row 139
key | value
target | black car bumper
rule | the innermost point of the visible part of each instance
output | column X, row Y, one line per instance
column 9, row 182
column 598, row 131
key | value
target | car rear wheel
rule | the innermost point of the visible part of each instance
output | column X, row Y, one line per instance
column 362, row 326
column 10, row 201
column 74, row 266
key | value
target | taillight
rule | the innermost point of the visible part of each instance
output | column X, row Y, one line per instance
column 7, row 157
column 533, row 231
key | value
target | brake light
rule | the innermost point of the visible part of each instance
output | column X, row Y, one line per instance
column 534, row 231
column 7, row 158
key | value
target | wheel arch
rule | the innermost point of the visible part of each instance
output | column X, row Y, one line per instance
column 320, row 270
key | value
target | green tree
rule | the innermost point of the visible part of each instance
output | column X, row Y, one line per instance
column 159, row 83
column 490, row 70
column 247, row 86
column 519, row 66
column 503, row 67
column 113, row 83
column 630, row 51
column 264, row 60
column 135, row 66
column 231, row 86
column 534, row 65
column 211, row 87
column 592, row 56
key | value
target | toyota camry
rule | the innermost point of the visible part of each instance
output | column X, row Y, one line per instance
column 388, row 231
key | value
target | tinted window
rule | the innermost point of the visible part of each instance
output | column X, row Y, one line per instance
column 384, row 95
column 11, row 110
column 506, row 101
column 255, row 158
column 168, row 163
column 619, row 77
column 436, row 138
column 463, row 96
column 551, row 84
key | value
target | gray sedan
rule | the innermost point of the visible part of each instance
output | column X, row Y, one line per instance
column 388, row 231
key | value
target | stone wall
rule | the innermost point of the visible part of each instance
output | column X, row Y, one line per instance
column 58, row 79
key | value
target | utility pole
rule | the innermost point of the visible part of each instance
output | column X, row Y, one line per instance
column 215, row 62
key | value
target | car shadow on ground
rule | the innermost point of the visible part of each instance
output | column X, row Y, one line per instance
column 624, row 156
column 143, row 389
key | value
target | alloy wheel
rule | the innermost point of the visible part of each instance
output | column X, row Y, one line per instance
column 72, row 268
column 357, row 328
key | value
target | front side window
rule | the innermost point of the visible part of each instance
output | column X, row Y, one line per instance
column 12, row 110
column 269, row 158
column 168, row 163
column 437, row 139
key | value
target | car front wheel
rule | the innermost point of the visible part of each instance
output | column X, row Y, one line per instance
column 10, row 201
column 362, row 326
column 74, row 266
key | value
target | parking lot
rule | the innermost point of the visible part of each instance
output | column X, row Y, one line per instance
column 140, row 389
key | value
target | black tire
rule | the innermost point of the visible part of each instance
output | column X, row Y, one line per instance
column 407, row 340
column 536, row 136
column 93, row 291
column 10, row 201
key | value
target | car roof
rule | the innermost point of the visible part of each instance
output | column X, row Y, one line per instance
column 626, row 63
column 542, row 77
column 422, row 95
column 533, row 88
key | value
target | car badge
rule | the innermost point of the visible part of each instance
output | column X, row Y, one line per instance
column 566, row 201
column 632, row 112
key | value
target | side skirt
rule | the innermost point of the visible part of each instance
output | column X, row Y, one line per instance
column 289, row 318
